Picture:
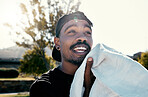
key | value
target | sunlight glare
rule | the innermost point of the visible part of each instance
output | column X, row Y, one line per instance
column 10, row 12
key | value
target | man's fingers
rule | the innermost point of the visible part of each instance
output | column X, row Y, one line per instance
column 88, row 66
column 89, row 61
column 88, row 73
column 88, row 77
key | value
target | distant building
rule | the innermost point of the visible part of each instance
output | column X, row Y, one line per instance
column 9, row 57
column 10, row 63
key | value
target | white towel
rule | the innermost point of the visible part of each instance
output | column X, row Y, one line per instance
column 116, row 75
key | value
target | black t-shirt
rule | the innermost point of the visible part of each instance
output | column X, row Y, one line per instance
column 54, row 83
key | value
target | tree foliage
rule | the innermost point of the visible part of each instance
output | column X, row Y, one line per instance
column 41, row 21
column 33, row 63
column 38, row 29
column 41, row 25
column 144, row 59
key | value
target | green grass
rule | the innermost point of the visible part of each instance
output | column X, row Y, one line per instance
column 22, row 94
column 13, row 95
column 19, row 78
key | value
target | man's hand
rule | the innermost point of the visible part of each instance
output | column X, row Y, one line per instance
column 88, row 77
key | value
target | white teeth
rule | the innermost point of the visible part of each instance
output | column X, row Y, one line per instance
column 80, row 48
column 80, row 51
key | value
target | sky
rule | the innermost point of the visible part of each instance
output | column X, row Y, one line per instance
column 119, row 24
column 8, row 14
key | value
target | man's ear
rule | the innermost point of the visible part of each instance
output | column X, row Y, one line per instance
column 56, row 41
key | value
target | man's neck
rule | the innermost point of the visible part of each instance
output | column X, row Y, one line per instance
column 68, row 68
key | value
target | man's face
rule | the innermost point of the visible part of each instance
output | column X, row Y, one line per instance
column 75, row 41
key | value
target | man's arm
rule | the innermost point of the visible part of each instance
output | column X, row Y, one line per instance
column 88, row 77
column 40, row 89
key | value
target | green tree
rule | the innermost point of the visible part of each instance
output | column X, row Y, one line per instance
column 144, row 59
column 33, row 64
column 37, row 29
column 41, row 21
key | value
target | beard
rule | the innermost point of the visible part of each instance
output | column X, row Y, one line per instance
column 77, row 61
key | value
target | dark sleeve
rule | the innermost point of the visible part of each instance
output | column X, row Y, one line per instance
column 40, row 89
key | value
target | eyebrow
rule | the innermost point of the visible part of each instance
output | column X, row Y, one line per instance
column 70, row 26
column 86, row 25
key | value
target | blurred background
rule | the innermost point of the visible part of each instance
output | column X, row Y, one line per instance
column 27, row 31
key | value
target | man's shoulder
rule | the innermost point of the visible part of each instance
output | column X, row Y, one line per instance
column 42, row 84
column 45, row 78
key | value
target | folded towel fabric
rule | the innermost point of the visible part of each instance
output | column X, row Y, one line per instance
column 116, row 75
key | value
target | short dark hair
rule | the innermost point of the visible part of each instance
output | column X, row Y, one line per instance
column 76, row 15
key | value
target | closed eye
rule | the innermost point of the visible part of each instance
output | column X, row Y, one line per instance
column 88, row 33
column 71, row 31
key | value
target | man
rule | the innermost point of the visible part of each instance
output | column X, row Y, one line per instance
column 73, row 42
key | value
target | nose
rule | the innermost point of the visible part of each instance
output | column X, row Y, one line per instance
column 81, row 38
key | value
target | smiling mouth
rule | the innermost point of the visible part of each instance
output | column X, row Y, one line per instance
column 80, row 49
